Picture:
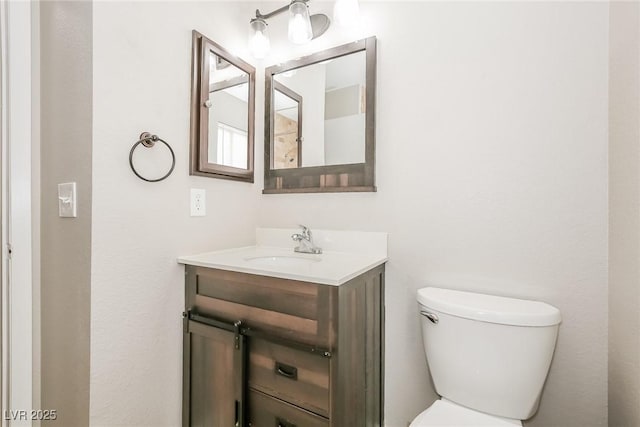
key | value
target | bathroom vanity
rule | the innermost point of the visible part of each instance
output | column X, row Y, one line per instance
column 274, row 338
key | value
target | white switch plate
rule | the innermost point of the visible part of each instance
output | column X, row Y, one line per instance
column 198, row 202
column 67, row 200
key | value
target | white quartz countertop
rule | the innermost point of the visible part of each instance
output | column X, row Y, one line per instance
column 332, row 267
column 328, row 268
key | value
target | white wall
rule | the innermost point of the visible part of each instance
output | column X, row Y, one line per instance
column 142, row 71
column 624, row 216
column 492, row 176
column 344, row 124
column 344, row 139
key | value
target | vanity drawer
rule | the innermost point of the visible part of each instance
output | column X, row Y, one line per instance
column 296, row 376
column 266, row 411
column 298, row 311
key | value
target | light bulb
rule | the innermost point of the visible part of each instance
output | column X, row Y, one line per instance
column 346, row 13
column 259, row 39
column 299, row 22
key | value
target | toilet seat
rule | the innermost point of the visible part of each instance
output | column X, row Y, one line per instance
column 444, row 413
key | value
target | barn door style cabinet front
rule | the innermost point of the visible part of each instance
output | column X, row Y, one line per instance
column 214, row 366
column 264, row 351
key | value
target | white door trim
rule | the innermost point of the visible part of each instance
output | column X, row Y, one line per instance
column 4, row 356
column 16, row 207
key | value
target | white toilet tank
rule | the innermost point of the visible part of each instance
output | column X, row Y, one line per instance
column 488, row 353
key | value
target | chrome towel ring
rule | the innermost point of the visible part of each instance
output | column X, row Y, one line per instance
column 148, row 140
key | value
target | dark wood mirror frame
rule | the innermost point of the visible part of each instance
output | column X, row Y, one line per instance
column 199, row 164
column 331, row 178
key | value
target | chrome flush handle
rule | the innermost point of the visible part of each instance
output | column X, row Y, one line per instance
column 431, row 316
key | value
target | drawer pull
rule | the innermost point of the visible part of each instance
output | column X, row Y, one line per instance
column 287, row 372
column 282, row 423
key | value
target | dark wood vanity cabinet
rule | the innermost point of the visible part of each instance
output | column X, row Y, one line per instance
column 268, row 352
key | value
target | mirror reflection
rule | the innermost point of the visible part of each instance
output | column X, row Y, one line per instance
column 319, row 113
column 287, row 134
column 228, row 105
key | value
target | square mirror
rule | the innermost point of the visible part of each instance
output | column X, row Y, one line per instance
column 320, row 121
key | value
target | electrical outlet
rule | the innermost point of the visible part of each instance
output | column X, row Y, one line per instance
column 198, row 202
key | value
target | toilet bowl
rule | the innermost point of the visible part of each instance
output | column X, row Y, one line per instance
column 488, row 356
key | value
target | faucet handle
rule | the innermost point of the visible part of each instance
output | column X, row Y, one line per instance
column 306, row 232
column 306, row 242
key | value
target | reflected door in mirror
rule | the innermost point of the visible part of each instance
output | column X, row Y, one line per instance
column 287, row 131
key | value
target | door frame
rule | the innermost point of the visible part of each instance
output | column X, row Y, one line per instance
column 16, row 269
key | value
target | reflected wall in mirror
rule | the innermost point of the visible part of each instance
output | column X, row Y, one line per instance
column 334, row 111
column 320, row 126
column 222, row 113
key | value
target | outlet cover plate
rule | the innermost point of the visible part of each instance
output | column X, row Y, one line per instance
column 198, row 202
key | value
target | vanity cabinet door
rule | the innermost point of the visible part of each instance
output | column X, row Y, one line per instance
column 213, row 377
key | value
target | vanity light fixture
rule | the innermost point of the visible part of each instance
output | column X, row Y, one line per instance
column 302, row 26
column 299, row 22
column 259, row 41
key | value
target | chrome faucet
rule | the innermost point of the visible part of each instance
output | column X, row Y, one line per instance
column 305, row 239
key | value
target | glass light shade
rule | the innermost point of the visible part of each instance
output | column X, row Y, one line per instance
column 259, row 39
column 299, row 23
column 346, row 13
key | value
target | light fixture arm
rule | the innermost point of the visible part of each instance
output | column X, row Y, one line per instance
column 275, row 12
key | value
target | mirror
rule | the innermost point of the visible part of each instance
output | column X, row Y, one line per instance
column 320, row 129
column 222, row 113
column 335, row 110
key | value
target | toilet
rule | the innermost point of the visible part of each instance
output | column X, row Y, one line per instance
column 488, row 356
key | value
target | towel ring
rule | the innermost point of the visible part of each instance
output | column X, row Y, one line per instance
column 148, row 140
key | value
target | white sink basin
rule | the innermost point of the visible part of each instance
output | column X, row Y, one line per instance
column 281, row 261
column 346, row 254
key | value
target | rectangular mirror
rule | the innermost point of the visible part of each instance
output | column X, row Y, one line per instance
column 222, row 113
column 320, row 121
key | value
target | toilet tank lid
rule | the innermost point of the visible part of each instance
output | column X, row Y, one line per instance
column 489, row 308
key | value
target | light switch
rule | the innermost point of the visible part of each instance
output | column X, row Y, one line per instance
column 67, row 200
